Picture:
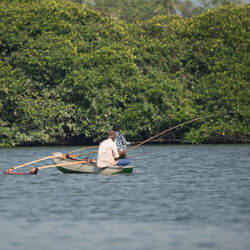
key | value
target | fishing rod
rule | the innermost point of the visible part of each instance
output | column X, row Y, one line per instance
column 180, row 125
column 146, row 153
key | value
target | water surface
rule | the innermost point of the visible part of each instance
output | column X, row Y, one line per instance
column 179, row 197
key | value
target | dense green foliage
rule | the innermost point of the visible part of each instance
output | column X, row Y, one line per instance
column 67, row 74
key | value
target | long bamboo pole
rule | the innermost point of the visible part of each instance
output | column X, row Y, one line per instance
column 88, row 153
column 179, row 125
column 80, row 149
column 42, row 159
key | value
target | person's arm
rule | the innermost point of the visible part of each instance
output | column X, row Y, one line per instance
column 115, row 152
column 122, row 152
column 124, row 141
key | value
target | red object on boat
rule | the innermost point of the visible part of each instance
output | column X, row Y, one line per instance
column 10, row 172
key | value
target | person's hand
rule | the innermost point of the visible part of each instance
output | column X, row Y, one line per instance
column 123, row 152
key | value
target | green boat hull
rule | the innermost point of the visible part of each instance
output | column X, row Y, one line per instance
column 87, row 168
column 64, row 170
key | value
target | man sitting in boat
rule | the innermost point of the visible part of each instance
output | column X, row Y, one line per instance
column 108, row 155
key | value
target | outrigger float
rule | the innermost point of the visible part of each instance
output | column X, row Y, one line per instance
column 10, row 172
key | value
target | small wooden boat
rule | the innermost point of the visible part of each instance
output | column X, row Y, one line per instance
column 88, row 167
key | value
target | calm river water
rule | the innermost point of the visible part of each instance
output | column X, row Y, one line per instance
column 180, row 197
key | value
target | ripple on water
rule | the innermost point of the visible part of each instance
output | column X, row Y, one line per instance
column 186, row 197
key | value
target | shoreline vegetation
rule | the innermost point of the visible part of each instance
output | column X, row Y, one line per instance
column 67, row 74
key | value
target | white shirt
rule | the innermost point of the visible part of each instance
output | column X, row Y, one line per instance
column 107, row 153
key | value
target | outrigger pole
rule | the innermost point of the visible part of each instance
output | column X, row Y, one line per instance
column 35, row 170
column 180, row 125
column 29, row 163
